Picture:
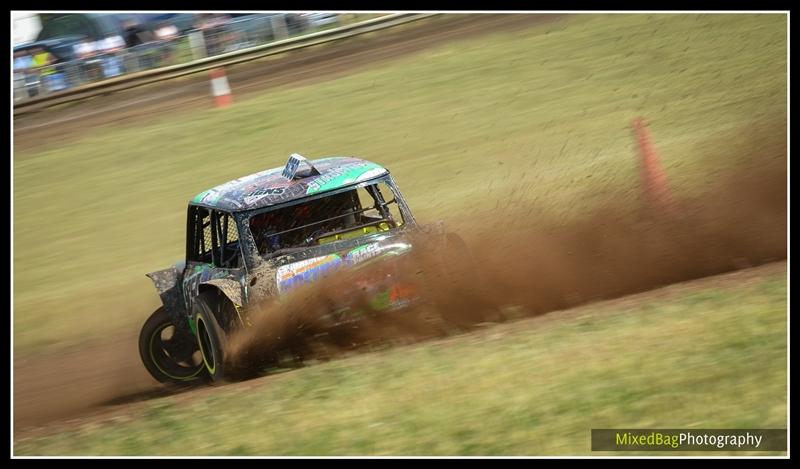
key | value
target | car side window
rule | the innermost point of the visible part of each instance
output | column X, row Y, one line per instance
column 198, row 239
column 225, row 237
column 213, row 238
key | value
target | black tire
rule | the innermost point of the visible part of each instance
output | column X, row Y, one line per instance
column 211, row 337
column 168, row 353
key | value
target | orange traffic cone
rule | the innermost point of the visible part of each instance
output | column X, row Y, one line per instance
column 654, row 178
column 220, row 88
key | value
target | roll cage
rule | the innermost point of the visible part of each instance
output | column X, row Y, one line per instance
column 225, row 240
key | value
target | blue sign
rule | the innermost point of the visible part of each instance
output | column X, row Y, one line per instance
column 293, row 165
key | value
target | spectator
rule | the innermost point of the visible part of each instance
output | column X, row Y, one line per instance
column 141, row 43
column 85, row 49
column 166, row 33
column 22, row 61
column 213, row 27
column 24, row 76
column 133, row 35
column 111, row 47
column 44, row 64
column 87, row 52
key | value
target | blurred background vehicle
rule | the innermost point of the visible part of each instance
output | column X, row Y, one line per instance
column 93, row 26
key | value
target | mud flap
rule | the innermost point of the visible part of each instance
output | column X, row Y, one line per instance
column 169, row 290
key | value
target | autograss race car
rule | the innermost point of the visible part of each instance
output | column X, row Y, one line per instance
column 260, row 237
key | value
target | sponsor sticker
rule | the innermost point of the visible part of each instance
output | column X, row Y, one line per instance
column 305, row 271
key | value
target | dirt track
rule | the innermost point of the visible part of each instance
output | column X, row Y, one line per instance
column 87, row 398
column 298, row 68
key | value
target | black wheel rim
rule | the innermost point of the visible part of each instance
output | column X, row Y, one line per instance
column 173, row 355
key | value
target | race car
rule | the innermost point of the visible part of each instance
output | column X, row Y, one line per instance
column 262, row 236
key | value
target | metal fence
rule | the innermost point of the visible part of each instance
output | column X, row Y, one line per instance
column 240, row 33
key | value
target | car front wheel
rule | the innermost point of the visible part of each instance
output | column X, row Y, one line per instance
column 211, row 338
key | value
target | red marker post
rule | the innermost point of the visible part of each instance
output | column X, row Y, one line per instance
column 220, row 88
column 653, row 177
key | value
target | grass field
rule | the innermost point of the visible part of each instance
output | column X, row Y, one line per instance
column 708, row 354
column 549, row 105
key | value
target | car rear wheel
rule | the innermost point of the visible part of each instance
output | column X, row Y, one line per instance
column 169, row 354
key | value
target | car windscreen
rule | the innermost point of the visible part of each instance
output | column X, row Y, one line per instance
column 336, row 217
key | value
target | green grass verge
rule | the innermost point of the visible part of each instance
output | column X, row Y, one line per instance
column 707, row 356
column 547, row 107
